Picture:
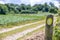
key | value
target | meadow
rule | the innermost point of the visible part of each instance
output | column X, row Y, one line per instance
column 13, row 17
column 7, row 21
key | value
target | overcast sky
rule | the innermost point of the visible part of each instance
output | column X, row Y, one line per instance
column 32, row 2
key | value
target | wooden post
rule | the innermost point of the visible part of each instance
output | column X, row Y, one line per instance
column 49, row 27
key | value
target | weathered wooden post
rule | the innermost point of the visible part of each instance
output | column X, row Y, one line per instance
column 49, row 27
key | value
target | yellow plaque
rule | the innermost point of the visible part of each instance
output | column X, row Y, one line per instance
column 49, row 21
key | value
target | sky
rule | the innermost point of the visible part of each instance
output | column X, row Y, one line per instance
column 32, row 2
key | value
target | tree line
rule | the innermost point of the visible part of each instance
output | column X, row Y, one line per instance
column 22, row 8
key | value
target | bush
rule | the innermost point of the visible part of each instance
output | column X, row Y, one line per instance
column 59, row 12
column 52, row 10
column 57, row 30
column 28, row 12
column 57, row 33
column 2, row 11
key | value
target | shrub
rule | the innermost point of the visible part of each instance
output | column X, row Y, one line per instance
column 28, row 12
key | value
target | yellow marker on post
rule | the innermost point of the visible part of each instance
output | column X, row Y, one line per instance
column 49, row 21
column 49, row 27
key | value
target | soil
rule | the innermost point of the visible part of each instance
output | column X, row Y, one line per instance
column 37, row 36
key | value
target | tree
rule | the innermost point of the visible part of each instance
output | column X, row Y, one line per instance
column 59, row 7
column 45, row 8
column 53, row 10
column 12, row 7
column 51, row 4
column 3, row 9
column 18, row 8
column 37, row 7
column 23, row 7
column 28, row 7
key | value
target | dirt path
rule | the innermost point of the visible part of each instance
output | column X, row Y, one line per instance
column 21, row 34
column 39, row 35
column 36, row 36
column 14, row 28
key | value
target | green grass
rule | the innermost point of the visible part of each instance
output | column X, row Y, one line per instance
column 5, row 19
column 19, row 30
column 8, row 21
column 29, row 34
column 10, row 25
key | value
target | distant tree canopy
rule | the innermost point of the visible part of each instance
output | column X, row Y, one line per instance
column 17, row 9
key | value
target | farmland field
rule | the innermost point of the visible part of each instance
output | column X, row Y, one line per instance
column 10, row 21
column 29, row 20
column 18, row 19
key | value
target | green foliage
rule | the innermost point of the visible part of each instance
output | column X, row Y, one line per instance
column 28, row 12
column 57, row 33
column 45, row 7
column 57, row 29
column 52, row 10
column 17, row 9
column 3, row 9
column 51, row 4
column 59, row 12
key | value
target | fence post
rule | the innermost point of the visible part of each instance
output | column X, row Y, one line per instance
column 49, row 27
